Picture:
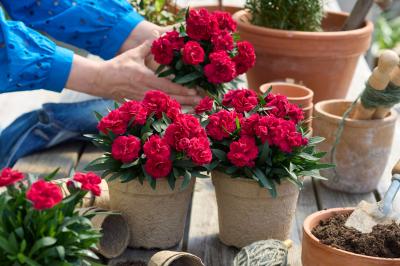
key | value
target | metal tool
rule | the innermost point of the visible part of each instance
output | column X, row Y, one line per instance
column 367, row 215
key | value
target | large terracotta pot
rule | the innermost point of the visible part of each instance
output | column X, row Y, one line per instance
column 323, row 61
column 316, row 254
column 156, row 218
column 247, row 213
column 363, row 149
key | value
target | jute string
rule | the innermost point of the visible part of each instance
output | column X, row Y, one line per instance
column 262, row 253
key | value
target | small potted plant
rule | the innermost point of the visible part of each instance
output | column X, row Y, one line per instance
column 160, row 12
column 38, row 226
column 328, row 242
column 153, row 153
column 203, row 52
column 298, row 40
column 260, row 155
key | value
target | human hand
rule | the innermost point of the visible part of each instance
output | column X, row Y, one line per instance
column 125, row 76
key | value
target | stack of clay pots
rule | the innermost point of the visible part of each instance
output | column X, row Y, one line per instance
column 296, row 94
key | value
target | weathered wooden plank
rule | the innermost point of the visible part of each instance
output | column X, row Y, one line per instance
column 203, row 231
column 64, row 156
column 328, row 198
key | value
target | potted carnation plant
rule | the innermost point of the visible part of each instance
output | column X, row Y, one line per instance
column 203, row 52
column 153, row 153
column 39, row 226
column 260, row 155
column 298, row 40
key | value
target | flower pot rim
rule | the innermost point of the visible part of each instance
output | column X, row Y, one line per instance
column 350, row 122
column 293, row 34
column 311, row 106
column 310, row 93
column 307, row 233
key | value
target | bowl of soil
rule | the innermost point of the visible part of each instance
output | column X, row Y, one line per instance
column 327, row 242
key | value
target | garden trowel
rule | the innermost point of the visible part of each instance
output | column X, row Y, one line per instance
column 367, row 215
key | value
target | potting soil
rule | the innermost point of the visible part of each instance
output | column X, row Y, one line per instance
column 383, row 241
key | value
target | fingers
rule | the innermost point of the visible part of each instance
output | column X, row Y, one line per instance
column 166, row 85
column 142, row 50
column 187, row 100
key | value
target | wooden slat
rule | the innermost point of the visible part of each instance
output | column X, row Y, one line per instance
column 203, row 238
column 64, row 156
column 328, row 198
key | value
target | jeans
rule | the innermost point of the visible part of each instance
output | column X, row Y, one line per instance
column 53, row 124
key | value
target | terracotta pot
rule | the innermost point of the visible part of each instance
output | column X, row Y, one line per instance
column 316, row 254
column 247, row 213
column 156, row 218
column 297, row 94
column 363, row 149
column 229, row 9
column 323, row 61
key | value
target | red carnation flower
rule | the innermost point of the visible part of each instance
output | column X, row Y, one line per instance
column 134, row 109
column 200, row 151
column 193, row 53
column 222, row 41
column 200, row 25
column 185, row 126
column 279, row 104
column 90, row 182
column 222, row 124
column 158, row 102
column 44, row 195
column 162, row 50
column 221, row 68
column 113, row 122
column 206, row 104
column 156, row 146
column 245, row 58
column 248, row 125
column 9, row 176
column 295, row 113
column 243, row 100
column 243, row 152
column 126, row 148
column 225, row 21
column 176, row 41
column 158, row 167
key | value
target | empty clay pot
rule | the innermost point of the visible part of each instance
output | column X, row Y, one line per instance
column 322, row 61
column 316, row 254
column 363, row 149
column 247, row 213
column 297, row 94
column 156, row 218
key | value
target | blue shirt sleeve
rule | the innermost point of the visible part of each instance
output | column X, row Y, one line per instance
column 100, row 27
column 29, row 61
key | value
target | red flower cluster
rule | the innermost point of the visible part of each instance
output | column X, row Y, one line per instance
column 126, row 148
column 241, row 100
column 222, row 124
column 282, row 108
column 44, row 195
column 158, row 154
column 89, row 182
column 206, row 104
column 208, row 44
column 134, row 113
column 9, row 176
column 243, row 152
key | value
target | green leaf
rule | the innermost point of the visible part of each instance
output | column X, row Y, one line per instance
column 171, row 181
column 128, row 165
column 150, row 179
column 293, row 178
column 41, row 243
column 212, row 165
column 262, row 178
column 264, row 153
column 221, row 155
column 315, row 140
column 52, row 175
column 184, row 164
column 159, row 69
column 231, row 169
column 186, row 179
column 98, row 116
column 166, row 73
column 188, row 78
column 308, row 157
column 199, row 175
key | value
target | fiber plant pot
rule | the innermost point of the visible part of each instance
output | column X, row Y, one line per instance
column 363, row 149
column 156, row 218
column 247, row 213
column 315, row 253
column 323, row 61
column 296, row 94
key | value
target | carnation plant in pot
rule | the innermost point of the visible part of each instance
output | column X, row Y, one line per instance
column 203, row 52
column 260, row 155
column 153, row 153
column 296, row 39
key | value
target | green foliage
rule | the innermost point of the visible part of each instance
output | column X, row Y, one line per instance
column 160, row 12
column 300, row 15
column 387, row 34
column 56, row 236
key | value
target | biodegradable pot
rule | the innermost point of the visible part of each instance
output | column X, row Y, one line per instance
column 363, row 149
column 323, row 61
column 297, row 94
column 156, row 218
column 315, row 253
column 174, row 258
column 247, row 213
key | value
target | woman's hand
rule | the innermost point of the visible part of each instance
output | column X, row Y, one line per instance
column 125, row 76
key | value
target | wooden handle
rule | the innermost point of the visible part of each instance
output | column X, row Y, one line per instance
column 378, row 80
column 288, row 243
column 396, row 168
column 357, row 16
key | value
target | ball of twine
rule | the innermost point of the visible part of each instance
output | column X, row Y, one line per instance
column 371, row 98
column 269, row 252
